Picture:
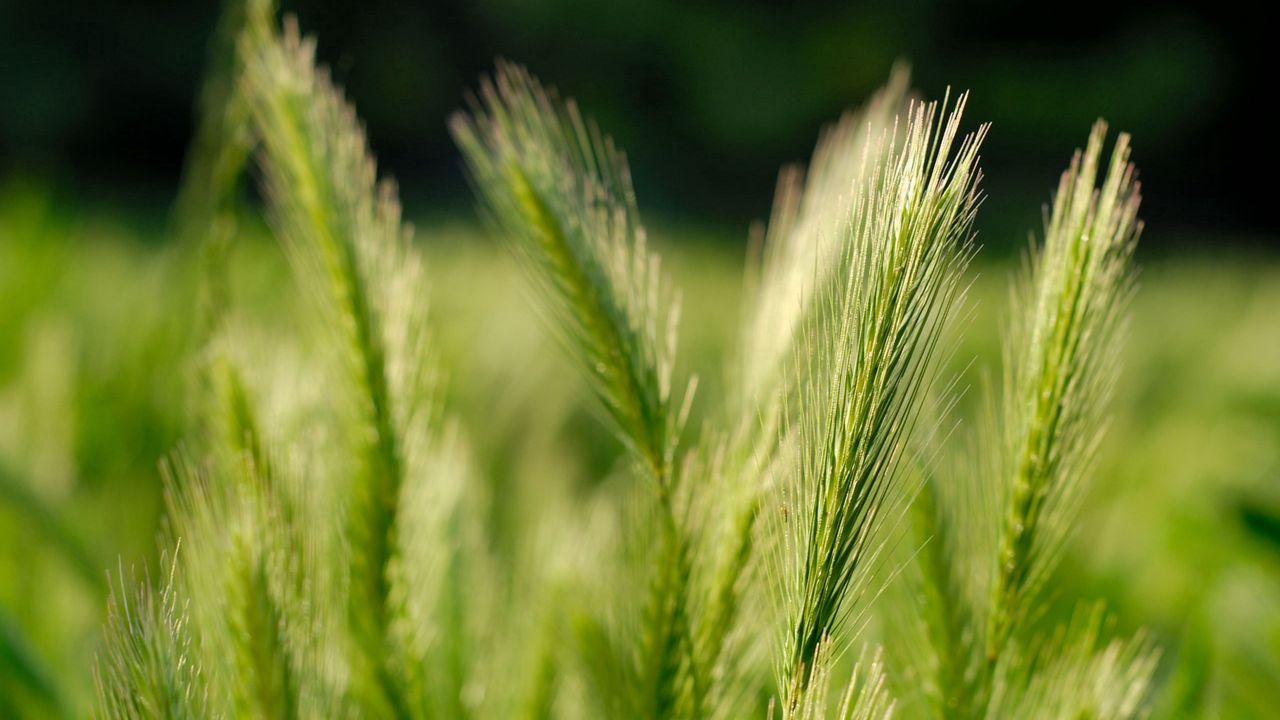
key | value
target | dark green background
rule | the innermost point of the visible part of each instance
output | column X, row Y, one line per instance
column 708, row 97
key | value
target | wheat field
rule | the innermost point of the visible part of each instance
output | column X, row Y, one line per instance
column 292, row 455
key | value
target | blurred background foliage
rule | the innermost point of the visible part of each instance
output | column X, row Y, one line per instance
column 98, row 301
column 709, row 97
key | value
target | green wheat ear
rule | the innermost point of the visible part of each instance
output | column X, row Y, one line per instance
column 150, row 668
column 999, row 526
column 799, row 249
column 230, row 570
column 345, row 233
column 1061, row 351
column 863, row 366
column 561, row 192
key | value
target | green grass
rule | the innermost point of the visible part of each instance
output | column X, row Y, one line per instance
column 520, row 507
column 1190, row 449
